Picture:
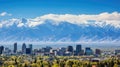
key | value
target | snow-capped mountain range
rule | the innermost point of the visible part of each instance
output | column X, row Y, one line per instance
column 53, row 29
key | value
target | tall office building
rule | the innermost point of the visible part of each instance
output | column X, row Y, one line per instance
column 117, row 51
column 1, row 49
column 78, row 49
column 30, row 46
column 70, row 49
column 24, row 48
column 97, row 51
column 28, row 51
column 15, row 48
column 88, row 51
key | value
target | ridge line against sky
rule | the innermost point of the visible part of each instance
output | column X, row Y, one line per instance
column 95, row 19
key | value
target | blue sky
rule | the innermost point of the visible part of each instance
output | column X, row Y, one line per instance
column 34, row 8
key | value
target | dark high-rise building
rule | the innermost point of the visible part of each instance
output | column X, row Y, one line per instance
column 117, row 51
column 78, row 49
column 88, row 51
column 1, row 49
column 15, row 48
column 24, row 48
column 48, row 49
column 28, row 51
column 70, row 48
column 30, row 46
column 97, row 51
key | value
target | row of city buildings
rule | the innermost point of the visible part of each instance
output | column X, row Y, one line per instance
column 47, row 51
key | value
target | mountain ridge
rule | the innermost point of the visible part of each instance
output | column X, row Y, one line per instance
column 64, row 31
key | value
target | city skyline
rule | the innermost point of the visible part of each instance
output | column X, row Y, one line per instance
column 69, row 50
column 49, row 50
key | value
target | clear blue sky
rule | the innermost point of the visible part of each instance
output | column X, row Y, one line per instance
column 34, row 8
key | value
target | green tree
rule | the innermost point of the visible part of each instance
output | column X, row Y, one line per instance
column 115, row 65
column 69, row 63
